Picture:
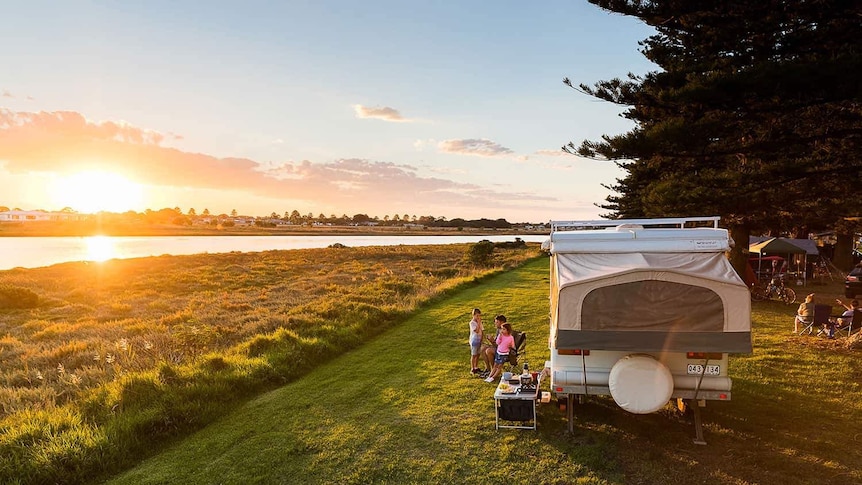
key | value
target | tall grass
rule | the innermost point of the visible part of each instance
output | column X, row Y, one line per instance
column 121, row 355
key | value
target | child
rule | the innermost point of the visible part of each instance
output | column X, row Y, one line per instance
column 475, row 341
column 505, row 344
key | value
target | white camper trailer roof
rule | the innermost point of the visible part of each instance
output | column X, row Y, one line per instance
column 638, row 235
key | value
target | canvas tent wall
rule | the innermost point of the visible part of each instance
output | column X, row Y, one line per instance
column 647, row 290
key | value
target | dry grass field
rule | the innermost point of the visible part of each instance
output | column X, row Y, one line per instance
column 99, row 361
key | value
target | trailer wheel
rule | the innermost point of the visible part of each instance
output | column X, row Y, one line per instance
column 640, row 384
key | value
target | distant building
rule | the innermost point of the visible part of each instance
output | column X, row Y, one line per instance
column 535, row 227
column 243, row 221
column 40, row 216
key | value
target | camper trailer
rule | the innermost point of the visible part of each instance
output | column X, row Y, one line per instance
column 645, row 311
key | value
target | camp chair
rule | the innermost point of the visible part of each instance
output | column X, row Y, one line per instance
column 813, row 320
column 855, row 323
column 821, row 319
column 519, row 354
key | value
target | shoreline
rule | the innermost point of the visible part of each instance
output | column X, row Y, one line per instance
column 62, row 230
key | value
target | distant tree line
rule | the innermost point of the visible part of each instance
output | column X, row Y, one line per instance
column 191, row 216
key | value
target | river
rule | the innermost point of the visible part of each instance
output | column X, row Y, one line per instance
column 33, row 252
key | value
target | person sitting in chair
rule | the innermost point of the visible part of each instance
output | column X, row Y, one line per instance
column 805, row 313
column 489, row 346
column 847, row 316
column 505, row 344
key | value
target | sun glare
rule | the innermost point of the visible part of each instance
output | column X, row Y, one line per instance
column 99, row 248
column 90, row 192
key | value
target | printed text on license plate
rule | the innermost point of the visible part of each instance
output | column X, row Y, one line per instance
column 711, row 370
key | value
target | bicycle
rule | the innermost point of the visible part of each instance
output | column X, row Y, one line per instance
column 775, row 289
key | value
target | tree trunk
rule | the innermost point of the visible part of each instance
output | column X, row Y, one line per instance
column 738, row 255
column 843, row 257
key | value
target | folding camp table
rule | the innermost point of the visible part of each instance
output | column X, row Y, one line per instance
column 516, row 406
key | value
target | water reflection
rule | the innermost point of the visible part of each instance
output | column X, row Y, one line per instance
column 32, row 252
column 100, row 248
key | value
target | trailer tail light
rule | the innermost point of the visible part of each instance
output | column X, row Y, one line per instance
column 573, row 352
column 558, row 389
column 722, row 396
column 704, row 355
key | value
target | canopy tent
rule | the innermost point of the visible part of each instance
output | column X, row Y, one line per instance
column 781, row 247
column 809, row 245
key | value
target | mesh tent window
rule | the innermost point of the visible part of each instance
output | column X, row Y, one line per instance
column 652, row 305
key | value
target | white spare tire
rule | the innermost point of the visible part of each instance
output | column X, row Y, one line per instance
column 640, row 384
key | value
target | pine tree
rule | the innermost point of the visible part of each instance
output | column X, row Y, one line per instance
column 752, row 116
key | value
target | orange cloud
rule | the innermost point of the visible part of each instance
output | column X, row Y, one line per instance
column 66, row 142
column 386, row 113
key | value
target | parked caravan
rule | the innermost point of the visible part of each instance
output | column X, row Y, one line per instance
column 645, row 311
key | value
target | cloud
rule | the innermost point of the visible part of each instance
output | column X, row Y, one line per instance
column 67, row 142
column 421, row 145
column 459, row 171
column 473, row 146
column 553, row 153
column 385, row 113
column 8, row 94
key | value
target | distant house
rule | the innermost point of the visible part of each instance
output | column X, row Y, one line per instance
column 272, row 221
column 535, row 227
column 243, row 221
column 40, row 216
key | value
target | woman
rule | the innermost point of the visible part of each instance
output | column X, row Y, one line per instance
column 505, row 344
column 476, row 331
column 804, row 313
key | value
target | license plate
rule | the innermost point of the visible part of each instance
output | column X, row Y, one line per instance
column 697, row 369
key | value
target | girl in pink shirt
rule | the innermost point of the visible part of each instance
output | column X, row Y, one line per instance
column 505, row 344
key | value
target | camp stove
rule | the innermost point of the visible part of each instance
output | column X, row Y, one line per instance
column 527, row 388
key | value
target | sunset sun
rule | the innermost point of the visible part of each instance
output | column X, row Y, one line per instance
column 90, row 192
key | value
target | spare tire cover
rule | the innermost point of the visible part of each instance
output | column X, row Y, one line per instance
column 640, row 384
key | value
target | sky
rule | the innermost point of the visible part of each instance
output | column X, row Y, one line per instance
column 446, row 108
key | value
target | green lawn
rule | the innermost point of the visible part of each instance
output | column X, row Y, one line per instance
column 402, row 409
